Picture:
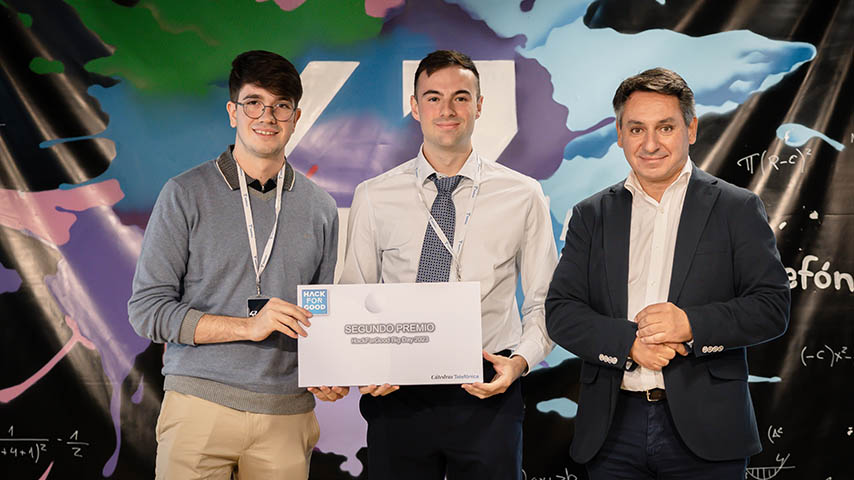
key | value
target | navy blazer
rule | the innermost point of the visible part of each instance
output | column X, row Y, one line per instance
column 727, row 277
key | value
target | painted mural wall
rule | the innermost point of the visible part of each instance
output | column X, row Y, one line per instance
column 102, row 101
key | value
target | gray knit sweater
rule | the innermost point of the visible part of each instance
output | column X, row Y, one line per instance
column 195, row 259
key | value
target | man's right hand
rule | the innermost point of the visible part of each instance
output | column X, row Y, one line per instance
column 277, row 316
column 655, row 356
column 378, row 390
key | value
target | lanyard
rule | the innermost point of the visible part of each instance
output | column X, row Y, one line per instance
column 460, row 236
column 250, row 227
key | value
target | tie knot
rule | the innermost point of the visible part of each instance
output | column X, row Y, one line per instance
column 447, row 184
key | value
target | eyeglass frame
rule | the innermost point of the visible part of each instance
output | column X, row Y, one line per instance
column 264, row 109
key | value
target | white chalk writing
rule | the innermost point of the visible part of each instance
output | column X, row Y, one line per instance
column 822, row 279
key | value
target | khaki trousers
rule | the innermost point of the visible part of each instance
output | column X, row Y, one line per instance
column 200, row 439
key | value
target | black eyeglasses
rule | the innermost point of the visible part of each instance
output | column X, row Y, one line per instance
column 254, row 109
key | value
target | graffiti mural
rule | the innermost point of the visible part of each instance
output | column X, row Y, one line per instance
column 102, row 101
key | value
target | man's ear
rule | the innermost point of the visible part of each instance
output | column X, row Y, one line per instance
column 231, row 108
column 692, row 131
column 413, row 104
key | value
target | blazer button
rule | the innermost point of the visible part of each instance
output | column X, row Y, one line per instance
column 601, row 357
column 705, row 349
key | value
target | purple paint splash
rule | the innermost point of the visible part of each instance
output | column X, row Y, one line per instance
column 342, row 430
column 92, row 285
column 363, row 137
column 10, row 281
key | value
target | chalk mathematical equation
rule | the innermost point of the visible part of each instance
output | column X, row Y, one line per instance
column 565, row 475
column 826, row 354
column 774, row 433
column 775, row 162
column 34, row 448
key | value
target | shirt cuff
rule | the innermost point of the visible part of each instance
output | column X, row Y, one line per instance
column 529, row 357
column 187, row 335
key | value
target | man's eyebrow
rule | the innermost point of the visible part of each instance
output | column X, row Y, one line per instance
column 255, row 96
column 660, row 122
column 458, row 92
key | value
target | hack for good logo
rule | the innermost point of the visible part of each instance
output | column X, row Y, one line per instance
column 316, row 301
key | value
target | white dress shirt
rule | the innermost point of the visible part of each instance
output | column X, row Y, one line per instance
column 652, row 243
column 509, row 233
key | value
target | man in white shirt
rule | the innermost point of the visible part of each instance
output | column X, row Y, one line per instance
column 665, row 280
column 501, row 220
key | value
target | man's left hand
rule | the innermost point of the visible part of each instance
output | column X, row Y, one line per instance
column 663, row 323
column 507, row 370
column 329, row 394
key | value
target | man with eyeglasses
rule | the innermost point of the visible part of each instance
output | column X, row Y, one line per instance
column 226, row 245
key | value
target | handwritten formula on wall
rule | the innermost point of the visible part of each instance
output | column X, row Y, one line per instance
column 37, row 448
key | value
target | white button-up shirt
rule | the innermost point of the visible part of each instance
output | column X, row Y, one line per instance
column 652, row 243
column 509, row 236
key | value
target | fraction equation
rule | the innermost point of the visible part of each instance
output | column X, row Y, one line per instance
column 826, row 354
column 34, row 448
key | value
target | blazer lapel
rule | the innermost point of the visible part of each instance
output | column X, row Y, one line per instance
column 616, row 219
column 699, row 199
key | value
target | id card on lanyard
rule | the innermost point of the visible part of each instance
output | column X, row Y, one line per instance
column 454, row 250
column 256, row 303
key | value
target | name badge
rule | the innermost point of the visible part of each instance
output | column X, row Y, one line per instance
column 255, row 304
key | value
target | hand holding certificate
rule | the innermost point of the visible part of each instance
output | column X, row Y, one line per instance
column 401, row 334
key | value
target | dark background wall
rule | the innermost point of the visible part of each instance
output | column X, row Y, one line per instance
column 102, row 101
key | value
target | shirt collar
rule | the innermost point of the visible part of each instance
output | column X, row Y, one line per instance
column 228, row 168
column 423, row 169
column 633, row 184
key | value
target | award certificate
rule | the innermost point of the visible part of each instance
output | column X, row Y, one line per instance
column 396, row 333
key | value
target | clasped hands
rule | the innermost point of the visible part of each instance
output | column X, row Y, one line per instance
column 507, row 370
column 662, row 330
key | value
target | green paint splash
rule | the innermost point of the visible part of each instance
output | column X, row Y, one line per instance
column 42, row 65
column 186, row 46
column 26, row 19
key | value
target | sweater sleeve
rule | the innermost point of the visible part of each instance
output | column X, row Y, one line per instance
column 155, row 308
column 325, row 273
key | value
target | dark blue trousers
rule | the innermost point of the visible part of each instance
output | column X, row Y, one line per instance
column 643, row 444
column 428, row 432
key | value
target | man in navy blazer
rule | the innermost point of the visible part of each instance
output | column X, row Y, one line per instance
column 665, row 280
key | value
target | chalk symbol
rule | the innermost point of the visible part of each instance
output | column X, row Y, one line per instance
column 766, row 473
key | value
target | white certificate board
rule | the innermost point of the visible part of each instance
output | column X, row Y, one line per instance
column 396, row 333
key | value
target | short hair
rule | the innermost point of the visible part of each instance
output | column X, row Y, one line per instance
column 656, row 80
column 267, row 70
column 442, row 59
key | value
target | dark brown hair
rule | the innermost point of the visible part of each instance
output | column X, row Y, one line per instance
column 442, row 59
column 657, row 80
column 267, row 70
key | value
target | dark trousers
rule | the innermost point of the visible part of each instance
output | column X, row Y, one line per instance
column 643, row 444
column 428, row 432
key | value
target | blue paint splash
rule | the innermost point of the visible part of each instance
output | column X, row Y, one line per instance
column 563, row 406
column 795, row 135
